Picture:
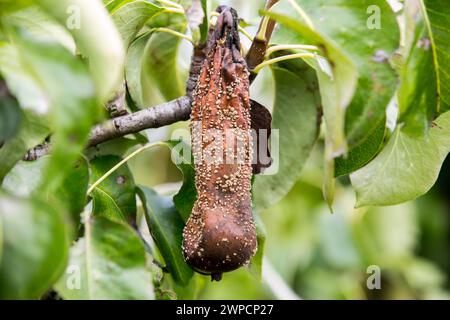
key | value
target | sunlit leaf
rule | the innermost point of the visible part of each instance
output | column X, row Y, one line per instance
column 96, row 37
column 337, row 88
column 367, row 32
column 73, row 111
column 405, row 169
column 20, row 82
column 131, row 17
column 112, row 5
column 25, row 179
column 41, row 25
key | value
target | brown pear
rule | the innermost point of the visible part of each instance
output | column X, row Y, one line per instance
column 220, row 233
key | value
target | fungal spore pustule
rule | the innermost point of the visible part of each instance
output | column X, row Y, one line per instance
column 220, row 234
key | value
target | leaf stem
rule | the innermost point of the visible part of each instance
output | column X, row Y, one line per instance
column 173, row 32
column 261, row 35
column 272, row 49
column 119, row 164
column 173, row 10
column 245, row 33
column 282, row 58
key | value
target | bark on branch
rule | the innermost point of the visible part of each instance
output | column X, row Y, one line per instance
column 155, row 117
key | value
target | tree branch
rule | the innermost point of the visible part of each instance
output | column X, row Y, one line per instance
column 37, row 152
column 155, row 117
column 116, row 107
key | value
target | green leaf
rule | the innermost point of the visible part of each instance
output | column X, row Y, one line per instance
column 361, row 81
column 96, row 37
column 73, row 111
column 337, row 77
column 131, row 17
column 182, row 157
column 352, row 26
column 72, row 192
column 204, row 27
column 438, row 15
column 25, row 179
column 32, row 131
column 41, row 25
column 296, row 107
column 115, row 197
column 166, row 228
column 358, row 156
column 160, row 65
column 35, row 246
column 417, row 98
column 20, row 81
column 12, row 5
column 405, row 169
column 10, row 114
column 337, row 85
column 112, row 5
column 134, row 70
column 107, row 263
column 1, row 240
column 347, row 23
column 105, row 206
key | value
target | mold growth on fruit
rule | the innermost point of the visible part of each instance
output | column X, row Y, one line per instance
column 220, row 234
